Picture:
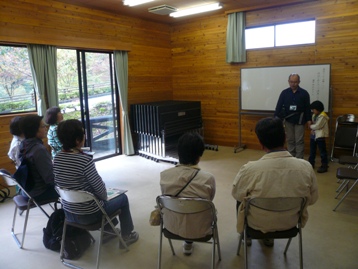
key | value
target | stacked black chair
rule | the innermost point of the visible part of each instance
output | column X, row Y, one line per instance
column 158, row 126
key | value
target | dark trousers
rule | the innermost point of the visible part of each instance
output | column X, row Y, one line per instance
column 321, row 144
column 110, row 206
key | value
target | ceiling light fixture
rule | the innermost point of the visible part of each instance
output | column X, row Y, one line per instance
column 195, row 10
column 133, row 3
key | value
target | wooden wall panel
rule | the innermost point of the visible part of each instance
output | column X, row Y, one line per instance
column 53, row 23
column 217, row 83
column 186, row 61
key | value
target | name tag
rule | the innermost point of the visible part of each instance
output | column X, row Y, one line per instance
column 293, row 108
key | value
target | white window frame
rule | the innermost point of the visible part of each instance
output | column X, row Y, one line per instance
column 279, row 35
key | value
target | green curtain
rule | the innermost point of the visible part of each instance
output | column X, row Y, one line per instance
column 121, row 70
column 235, row 38
column 43, row 63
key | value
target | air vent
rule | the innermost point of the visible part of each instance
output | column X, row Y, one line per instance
column 162, row 10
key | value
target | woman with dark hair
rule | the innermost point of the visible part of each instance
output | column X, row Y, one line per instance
column 187, row 180
column 38, row 159
column 76, row 170
column 52, row 118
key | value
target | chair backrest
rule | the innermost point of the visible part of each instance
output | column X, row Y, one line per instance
column 185, row 205
column 75, row 196
column 350, row 117
column 10, row 181
column 277, row 204
column 78, row 196
column 346, row 118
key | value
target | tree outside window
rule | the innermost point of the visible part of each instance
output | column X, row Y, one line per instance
column 17, row 92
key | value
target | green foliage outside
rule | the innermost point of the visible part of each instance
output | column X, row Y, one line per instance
column 11, row 107
column 100, row 109
column 70, row 94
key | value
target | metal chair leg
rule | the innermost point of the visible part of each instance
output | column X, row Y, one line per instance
column 218, row 243
column 171, row 246
column 301, row 254
column 19, row 243
column 100, row 242
column 213, row 254
column 341, row 187
column 345, row 195
column 287, row 245
column 65, row 263
column 239, row 246
column 245, row 249
column 109, row 221
column 160, row 248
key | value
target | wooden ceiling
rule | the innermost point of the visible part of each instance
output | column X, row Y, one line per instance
column 141, row 11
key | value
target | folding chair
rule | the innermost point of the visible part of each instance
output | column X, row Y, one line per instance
column 352, row 162
column 77, row 196
column 22, row 203
column 188, row 206
column 281, row 204
column 346, row 135
column 346, row 174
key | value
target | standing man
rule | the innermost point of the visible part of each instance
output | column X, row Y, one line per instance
column 293, row 106
column 276, row 174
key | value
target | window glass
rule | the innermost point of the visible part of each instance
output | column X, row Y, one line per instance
column 17, row 92
column 261, row 37
column 281, row 35
column 295, row 33
column 67, row 83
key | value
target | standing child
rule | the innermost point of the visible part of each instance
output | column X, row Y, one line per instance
column 319, row 132
column 16, row 141
column 53, row 118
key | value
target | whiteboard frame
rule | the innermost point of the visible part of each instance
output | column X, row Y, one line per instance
column 313, row 88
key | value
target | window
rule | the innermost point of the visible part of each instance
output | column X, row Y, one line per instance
column 17, row 92
column 281, row 35
column 261, row 37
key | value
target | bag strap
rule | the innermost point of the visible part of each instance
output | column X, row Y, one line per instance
column 197, row 171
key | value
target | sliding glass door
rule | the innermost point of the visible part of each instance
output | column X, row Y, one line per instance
column 95, row 101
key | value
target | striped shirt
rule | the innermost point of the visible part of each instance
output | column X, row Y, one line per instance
column 77, row 171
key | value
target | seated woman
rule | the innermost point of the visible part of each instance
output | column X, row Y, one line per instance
column 76, row 170
column 201, row 184
column 38, row 159
column 52, row 118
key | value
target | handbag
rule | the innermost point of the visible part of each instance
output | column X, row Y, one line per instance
column 154, row 218
column 77, row 240
column 155, row 215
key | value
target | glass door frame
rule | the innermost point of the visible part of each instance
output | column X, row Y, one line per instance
column 84, row 102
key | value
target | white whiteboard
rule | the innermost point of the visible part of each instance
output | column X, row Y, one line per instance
column 261, row 87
